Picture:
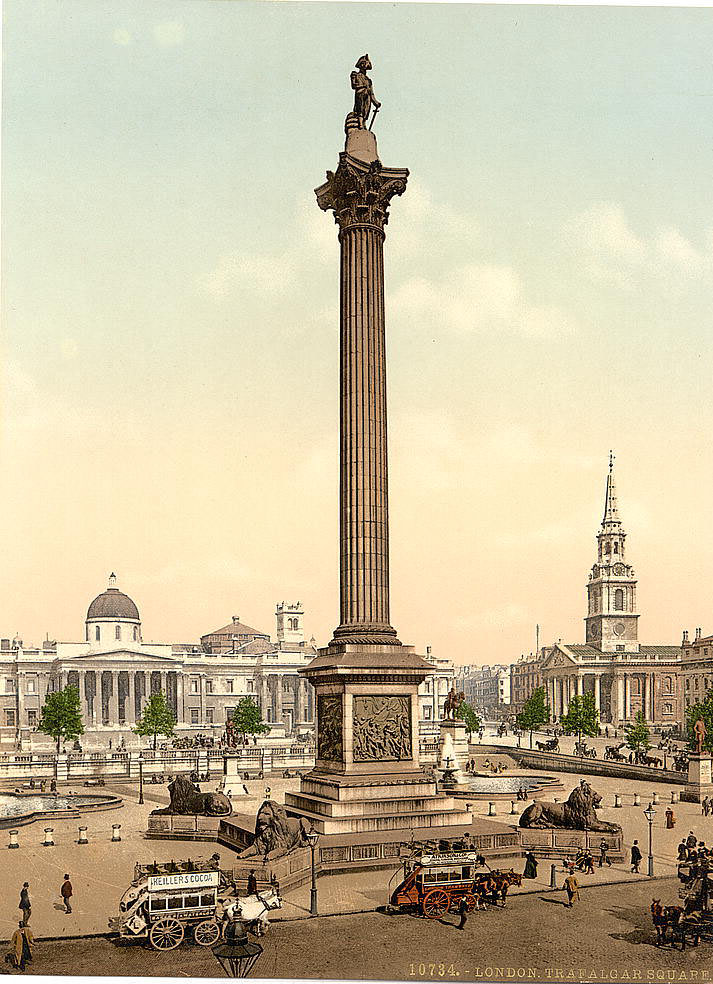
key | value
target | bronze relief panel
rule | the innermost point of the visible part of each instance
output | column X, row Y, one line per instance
column 330, row 744
column 381, row 728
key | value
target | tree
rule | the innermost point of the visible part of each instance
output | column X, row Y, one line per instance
column 702, row 710
column 637, row 734
column 157, row 718
column 582, row 717
column 61, row 716
column 534, row 712
column 468, row 715
column 247, row 718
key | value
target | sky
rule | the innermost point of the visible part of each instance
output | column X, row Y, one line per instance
column 170, row 308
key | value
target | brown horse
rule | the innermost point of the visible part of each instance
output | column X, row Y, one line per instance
column 664, row 916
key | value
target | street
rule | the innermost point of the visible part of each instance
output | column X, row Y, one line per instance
column 608, row 935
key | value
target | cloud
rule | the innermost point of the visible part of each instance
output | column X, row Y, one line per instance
column 121, row 36
column 479, row 298
column 610, row 250
column 169, row 34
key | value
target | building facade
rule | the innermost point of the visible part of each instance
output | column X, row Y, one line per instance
column 432, row 693
column 115, row 671
column 696, row 669
column 624, row 675
column 525, row 677
column 486, row 689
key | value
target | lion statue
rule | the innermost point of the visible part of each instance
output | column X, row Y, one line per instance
column 187, row 800
column 579, row 812
column 276, row 834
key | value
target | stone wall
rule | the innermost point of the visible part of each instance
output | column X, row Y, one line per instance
column 557, row 762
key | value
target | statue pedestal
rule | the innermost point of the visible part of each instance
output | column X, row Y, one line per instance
column 700, row 779
column 232, row 782
column 367, row 777
column 457, row 731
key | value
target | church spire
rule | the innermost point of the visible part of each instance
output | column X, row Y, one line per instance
column 610, row 522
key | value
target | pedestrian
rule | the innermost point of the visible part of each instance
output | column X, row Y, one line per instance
column 670, row 818
column 603, row 855
column 635, row 858
column 66, row 893
column 463, row 912
column 682, row 851
column 25, row 903
column 21, row 945
column 252, row 883
column 530, row 866
column 571, row 886
column 588, row 863
column 691, row 840
column 53, row 785
column 705, row 806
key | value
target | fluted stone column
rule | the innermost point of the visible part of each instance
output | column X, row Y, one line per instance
column 359, row 194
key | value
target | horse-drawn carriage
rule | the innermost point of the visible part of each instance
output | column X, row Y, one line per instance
column 613, row 753
column 168, row 901
column 581, row 749
column 433, row 884
column 552, row 745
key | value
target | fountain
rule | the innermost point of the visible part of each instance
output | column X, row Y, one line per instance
column 21, row 808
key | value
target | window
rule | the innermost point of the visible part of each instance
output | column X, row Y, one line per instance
column 668, row 685
column 616, row 547
column 194, row 686
column 157, row 903
column 251, row 686
column 209, row 686
column 209, row 715
column 607, row 547
column 9, row 685
column 10, row 719
column 620, row 649
column 688, row 684
column 668, row 708
column 98, row 633
column 136, row 632
column 192, row 902
column 228, row 686
column 427, row 713
column 636, row 686
column 31, row 685
column 117, row 632
column 32, row 718
column 619, row 600
column 194, row 715
column 207, row 900
column 176, row 902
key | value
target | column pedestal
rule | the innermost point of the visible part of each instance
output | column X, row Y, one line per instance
column 700, row 779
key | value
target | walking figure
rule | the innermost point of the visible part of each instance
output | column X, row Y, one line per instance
column 66, row 893
column 25, row 903
column 603, row 856
column 463, row 912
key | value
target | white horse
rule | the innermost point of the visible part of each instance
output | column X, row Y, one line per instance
column 252, row 910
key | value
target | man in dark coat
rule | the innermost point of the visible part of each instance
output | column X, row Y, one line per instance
column 463, row 913
column 252, row 884
column 603, row 853
column 66, row 893
column 25, row 903
column 635, row 858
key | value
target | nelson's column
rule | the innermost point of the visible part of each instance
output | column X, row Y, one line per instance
column 367, row 776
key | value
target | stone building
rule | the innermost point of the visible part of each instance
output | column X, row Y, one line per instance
column 525, row 677
column 432, row 693
column 624, row 675
column 486, row 689
column 696, row 669
column 115, row 671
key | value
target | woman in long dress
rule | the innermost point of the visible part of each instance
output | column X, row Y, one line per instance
column 530, row 866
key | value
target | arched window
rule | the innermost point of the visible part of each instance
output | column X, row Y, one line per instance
column 98, row 633
column 619, row 600
column 607, row 547
column 136, row 632
column 636, row 686
column 616, row 547
column 117, row 632
column 668, row 685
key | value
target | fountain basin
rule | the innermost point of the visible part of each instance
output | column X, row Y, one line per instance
column 483, row 786
column 22, row 808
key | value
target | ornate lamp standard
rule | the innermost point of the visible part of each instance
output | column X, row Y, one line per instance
column 650, row 813
column 312, row 838
column 141, row 778
column 237, row 955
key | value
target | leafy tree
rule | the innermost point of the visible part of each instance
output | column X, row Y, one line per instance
column 582, row 717
column 61, row 716
column 702, row 710
column 247, row 718
column 638, row 734
column 468, row 715
column 534, row 713
column 157, row 718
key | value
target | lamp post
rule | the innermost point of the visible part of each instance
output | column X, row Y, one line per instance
column 141, row 778
column 312, row 838
column 650, row 813
column 237, row 955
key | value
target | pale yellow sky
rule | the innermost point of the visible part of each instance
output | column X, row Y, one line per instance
column 171, row 324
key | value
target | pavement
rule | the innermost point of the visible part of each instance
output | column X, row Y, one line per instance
column 606, row 936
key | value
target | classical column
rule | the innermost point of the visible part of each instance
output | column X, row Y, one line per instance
column 627, row 695
column 130, row 704
column 620, row 698
column 180, row 696
column 114, row 700
column 278, row 699
column 297, row 690
column 598, row 693
column 264, row 696
column 652, row 698
column 359, row 194
column 579, row 683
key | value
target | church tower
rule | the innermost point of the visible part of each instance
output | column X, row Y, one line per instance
column 612, row 621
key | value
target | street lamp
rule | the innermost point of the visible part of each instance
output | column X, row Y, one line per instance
column 141, row 778
column 237, row 955
column 650, row 813
column 312, row 837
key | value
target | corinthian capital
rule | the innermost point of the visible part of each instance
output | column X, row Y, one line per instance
column 360, row 193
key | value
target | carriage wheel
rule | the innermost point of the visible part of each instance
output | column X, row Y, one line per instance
column 166, row 934
column 206, row 933
column 436, row 904
column 471, row 902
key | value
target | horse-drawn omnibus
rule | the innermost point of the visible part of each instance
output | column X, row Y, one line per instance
column 434, row 883
column 165, row 901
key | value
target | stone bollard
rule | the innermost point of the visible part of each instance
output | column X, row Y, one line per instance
column 13, row 839
column 513, row 808
column 617, row 799
column 675, row 797
column 491, row 809
column 49, row 839
column 655, row 799
column 637, row 799
column 83, row 839
column 553, row 876
column 115, row 832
